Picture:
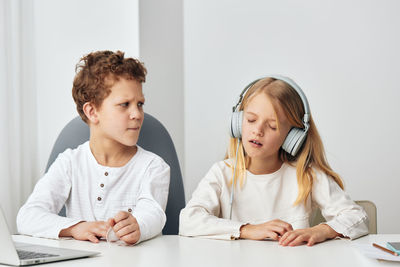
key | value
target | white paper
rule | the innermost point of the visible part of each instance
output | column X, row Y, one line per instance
column 375, row 253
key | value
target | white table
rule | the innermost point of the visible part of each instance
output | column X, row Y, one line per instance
column 182, row 251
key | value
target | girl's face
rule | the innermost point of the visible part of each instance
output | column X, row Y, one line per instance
column 260, row 135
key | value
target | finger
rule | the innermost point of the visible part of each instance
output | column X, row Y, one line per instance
column 272, row 235
column 124, row 223
column 131, row 238
column 283, row 237
column 311, row 241
column 126, row 230
column 277, row 229
column 121, row 215
column 289, row 238
column 93, row 238
column 284, row 225
column 299, row 240
column 111, row 222
column 120, row 225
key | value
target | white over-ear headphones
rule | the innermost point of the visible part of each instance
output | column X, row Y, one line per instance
column 296, row 136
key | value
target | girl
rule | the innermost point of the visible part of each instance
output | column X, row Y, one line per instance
column 273, row 177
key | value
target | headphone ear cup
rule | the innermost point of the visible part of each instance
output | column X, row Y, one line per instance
column 288, row 140
column 294, row 140
column 236, row 124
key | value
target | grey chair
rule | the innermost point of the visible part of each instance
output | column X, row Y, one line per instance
column 367, row 205
column 153, row 137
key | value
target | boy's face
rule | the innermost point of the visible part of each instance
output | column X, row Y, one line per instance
column 121, row 114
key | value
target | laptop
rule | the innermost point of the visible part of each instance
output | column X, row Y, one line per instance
column 14, row 253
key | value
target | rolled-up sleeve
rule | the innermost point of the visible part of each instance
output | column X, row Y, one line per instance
column 341, row 213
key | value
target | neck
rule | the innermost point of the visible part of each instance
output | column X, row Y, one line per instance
column 265, row 165
column 111, row 153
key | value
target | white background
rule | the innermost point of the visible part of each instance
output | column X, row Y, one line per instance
column 344, row 54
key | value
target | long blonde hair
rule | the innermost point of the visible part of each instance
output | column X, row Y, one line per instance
column 310, row 156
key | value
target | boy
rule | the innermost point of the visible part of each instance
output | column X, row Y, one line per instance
column 108, row 181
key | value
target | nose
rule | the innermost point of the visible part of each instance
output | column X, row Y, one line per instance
column 136, row 114
column 258, row 130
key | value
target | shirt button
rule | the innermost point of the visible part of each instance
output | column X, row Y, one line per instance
column 129, row 210
column 106, row 173
column 99, row 198
column 101, row 185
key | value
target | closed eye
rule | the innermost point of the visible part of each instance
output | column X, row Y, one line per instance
column 272, row 127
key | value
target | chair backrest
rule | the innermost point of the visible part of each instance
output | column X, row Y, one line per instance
column 369, row 208
column 153, row 137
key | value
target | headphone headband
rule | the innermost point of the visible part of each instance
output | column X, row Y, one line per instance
column 289, row 81
column 243, row 93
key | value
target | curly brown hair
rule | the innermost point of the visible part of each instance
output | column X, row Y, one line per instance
column 96, row 73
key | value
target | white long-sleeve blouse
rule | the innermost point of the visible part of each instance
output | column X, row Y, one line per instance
column 263, row 198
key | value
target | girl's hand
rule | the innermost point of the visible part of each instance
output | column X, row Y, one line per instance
column 86, row 231
column 272, row 229
column 311, row 236
column 125, row 227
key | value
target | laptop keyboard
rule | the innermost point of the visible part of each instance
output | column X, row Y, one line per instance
column 24, row 255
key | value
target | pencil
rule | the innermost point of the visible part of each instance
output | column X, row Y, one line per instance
column 385, row 249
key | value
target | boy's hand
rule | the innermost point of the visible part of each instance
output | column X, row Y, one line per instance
column 86, row 231
column 272, row 229
column 125, row 227
column 311, row 236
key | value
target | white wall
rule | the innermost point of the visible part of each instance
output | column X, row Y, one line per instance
column 345, row 56
column 64, row 32
column 161, row 49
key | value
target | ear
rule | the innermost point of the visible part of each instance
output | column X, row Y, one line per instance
column 91, row 113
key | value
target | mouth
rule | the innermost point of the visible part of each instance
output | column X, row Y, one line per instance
column 134, row 128
column 255, row 143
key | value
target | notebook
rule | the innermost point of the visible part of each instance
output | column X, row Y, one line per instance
column 14, row 253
